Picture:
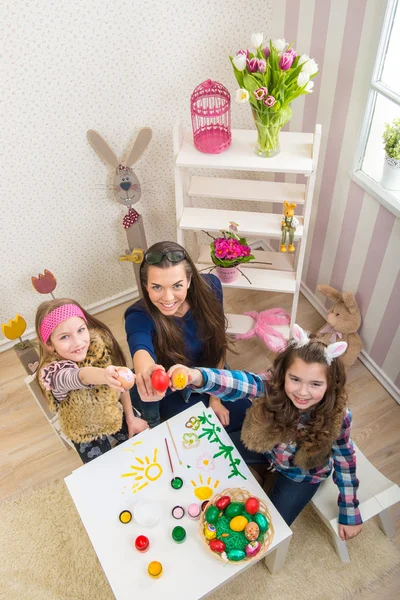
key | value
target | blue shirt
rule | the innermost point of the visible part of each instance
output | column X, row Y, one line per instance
column 140, row 328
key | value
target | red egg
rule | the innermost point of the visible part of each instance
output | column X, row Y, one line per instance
column 159, row 380
column 223, row 502
column 217, row 546
column 252, row 505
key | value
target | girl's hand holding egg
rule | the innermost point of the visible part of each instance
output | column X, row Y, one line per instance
column 181, row 376
column 125, row 377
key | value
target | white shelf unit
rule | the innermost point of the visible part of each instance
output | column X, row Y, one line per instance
column 298, row 155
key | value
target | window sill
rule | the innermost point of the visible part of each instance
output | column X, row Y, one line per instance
column 390, row 200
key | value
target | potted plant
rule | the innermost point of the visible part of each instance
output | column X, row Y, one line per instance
column 391, row 166
column 229, row 251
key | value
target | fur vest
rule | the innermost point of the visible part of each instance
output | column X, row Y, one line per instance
column 257, row 436
column 87, row 414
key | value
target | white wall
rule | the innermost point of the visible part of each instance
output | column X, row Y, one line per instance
column 72, row 65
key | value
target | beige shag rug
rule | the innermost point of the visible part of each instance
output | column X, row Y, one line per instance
column 46, row 555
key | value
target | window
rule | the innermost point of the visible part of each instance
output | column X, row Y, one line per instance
column 383, row 106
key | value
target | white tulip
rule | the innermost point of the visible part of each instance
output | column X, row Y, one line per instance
column 280, row 45
column 309, row 87
column 240, row 62
column 310, row 67
column 303, row 58
column 257, row 40
column 242, row 96
column 302, row 79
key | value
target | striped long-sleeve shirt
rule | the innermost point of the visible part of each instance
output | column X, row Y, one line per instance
column 61, row 377
column 235, row 385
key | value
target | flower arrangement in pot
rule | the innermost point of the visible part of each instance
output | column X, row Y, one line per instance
column 270, row 79
column 229, row 251
column 391, row 166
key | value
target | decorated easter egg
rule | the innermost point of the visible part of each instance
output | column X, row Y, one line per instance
column 179, row 378
column 159, row 380
column 236, row 555
column 212, row 514
column 126, row 378
column 251, row 531
column 252, row 505
column 238, row 523
column 217, row 546
column 223, row 502
column 252, row 548
column 210, row 531
column 261, row 522
column 154, row 569
column 234, row 509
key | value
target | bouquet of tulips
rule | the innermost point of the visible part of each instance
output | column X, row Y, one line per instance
column 270, row 78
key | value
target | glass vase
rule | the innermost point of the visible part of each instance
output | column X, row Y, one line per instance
column 269, row 125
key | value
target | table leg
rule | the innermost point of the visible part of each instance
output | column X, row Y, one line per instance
column 275, row 560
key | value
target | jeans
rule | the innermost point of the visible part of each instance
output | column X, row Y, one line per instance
column 288, row 496
column 174, row 403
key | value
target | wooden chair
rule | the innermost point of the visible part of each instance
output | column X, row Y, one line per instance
column 376, row 495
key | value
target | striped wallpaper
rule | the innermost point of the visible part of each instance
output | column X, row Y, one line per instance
column 354, row 242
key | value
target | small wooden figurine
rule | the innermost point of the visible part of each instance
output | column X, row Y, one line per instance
column 289, row 224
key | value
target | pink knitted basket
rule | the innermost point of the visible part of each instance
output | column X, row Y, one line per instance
column 210, row 107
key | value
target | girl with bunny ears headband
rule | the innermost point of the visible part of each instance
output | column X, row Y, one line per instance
column 298, row 424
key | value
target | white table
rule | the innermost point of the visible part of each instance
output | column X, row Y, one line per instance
column 100, row 493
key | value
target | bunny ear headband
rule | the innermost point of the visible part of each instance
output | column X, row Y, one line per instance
column 300, row 339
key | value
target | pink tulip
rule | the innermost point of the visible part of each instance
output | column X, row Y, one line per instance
column 292, row 51
column 286, row 61
column 269, row 101
column 252, row 65
column 262, row 65
column 245, row 52
column 260, row 93
column 266, row 51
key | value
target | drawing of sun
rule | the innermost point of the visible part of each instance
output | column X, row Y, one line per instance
column 145, row 472
column 204, row 491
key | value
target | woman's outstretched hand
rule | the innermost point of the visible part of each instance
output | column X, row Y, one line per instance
column 146, row 391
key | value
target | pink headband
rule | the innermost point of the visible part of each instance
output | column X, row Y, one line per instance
column 57, row 316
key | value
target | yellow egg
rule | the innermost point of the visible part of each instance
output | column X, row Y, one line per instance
column 155, row 569
column 238, row 523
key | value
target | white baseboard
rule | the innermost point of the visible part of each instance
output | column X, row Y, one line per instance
column 364, row 357
column 129, row 294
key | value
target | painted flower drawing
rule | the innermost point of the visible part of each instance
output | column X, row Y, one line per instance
column 190, row 440
column 205, row 462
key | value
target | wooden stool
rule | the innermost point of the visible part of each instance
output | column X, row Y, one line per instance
column 376, row 495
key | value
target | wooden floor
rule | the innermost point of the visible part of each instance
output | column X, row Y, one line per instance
column 31, row 454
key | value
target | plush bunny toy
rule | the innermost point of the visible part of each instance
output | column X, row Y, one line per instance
column 263, row 321
column 344, row 320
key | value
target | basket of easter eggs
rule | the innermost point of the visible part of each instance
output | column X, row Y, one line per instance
column 236, row 526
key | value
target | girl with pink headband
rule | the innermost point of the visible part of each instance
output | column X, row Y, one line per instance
column 79, row 379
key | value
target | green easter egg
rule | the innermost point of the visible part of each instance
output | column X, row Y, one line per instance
column 212, row 514
column 233, row 510
column 236, row 555
column 261, row 521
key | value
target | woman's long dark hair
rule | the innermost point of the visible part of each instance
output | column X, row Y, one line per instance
column 206, row 309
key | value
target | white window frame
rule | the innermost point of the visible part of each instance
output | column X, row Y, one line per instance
column 390, row 200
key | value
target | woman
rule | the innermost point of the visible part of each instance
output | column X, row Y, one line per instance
column 180, row 319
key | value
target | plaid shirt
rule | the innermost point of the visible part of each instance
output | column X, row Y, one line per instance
column 234, row 385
